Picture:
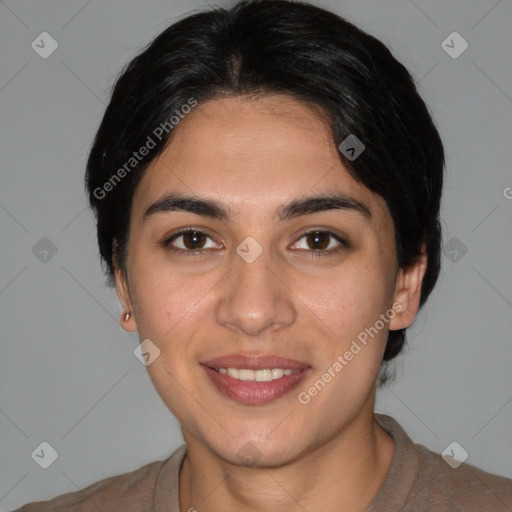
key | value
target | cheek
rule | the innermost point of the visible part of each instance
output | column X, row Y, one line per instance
column 173, row 311
column 163, row 299
column 347, row 301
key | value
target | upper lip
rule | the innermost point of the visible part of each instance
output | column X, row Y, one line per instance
column 254, row 362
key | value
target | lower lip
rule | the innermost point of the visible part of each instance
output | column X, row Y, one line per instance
column 254, row 392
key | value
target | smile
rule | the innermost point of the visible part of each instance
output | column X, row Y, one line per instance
column 254, row 387
column 265, row 375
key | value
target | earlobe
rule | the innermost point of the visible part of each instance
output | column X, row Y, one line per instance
column 408, row 292
column 127, row 320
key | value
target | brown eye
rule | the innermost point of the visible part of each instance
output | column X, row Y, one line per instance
column 190, row 242
column 194, row 240
column 318, row 240
column 320, row 243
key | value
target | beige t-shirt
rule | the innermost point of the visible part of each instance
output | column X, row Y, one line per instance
column 418, row 480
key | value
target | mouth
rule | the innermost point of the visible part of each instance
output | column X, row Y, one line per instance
column 255, row 380
column 264, row 375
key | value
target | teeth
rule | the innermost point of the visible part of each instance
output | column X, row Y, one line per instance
column 262, row 375
column 257, row 375
column 233, row 372
column 277, row 373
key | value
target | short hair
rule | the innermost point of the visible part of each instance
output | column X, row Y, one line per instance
column 264, row 47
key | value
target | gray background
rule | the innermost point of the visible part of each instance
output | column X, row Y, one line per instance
column 68, row 373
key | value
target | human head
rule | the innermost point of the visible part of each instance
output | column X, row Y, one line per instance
column 260, row 48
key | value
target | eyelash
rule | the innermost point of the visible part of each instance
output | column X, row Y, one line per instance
column 310, row 253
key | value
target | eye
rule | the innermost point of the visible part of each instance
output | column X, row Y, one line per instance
column 190, row 242
column 321, row 243
column 193, row 242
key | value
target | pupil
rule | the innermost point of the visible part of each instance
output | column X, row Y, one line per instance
column 316, row 239
column 191, row 239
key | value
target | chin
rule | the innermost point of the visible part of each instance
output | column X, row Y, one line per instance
column 252, row 451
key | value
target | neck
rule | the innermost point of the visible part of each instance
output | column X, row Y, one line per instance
column 343, row 474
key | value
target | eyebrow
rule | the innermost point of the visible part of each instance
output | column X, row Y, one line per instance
column 217, row 210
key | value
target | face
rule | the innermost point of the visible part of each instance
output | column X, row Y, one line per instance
column 268, row 275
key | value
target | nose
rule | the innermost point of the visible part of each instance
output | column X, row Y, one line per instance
column 254, row 298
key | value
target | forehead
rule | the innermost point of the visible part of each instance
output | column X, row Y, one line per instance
column 253, row 154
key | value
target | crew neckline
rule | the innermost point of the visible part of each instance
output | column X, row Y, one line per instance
column 167, row 488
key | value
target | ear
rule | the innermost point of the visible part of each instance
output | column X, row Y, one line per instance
column 408, row 292
column 123, row 292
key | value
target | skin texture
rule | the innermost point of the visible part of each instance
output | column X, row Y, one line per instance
column 254, row 155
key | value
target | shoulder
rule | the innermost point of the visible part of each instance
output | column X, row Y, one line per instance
column 464, row 487
column 134, row 490
column 419, row 480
